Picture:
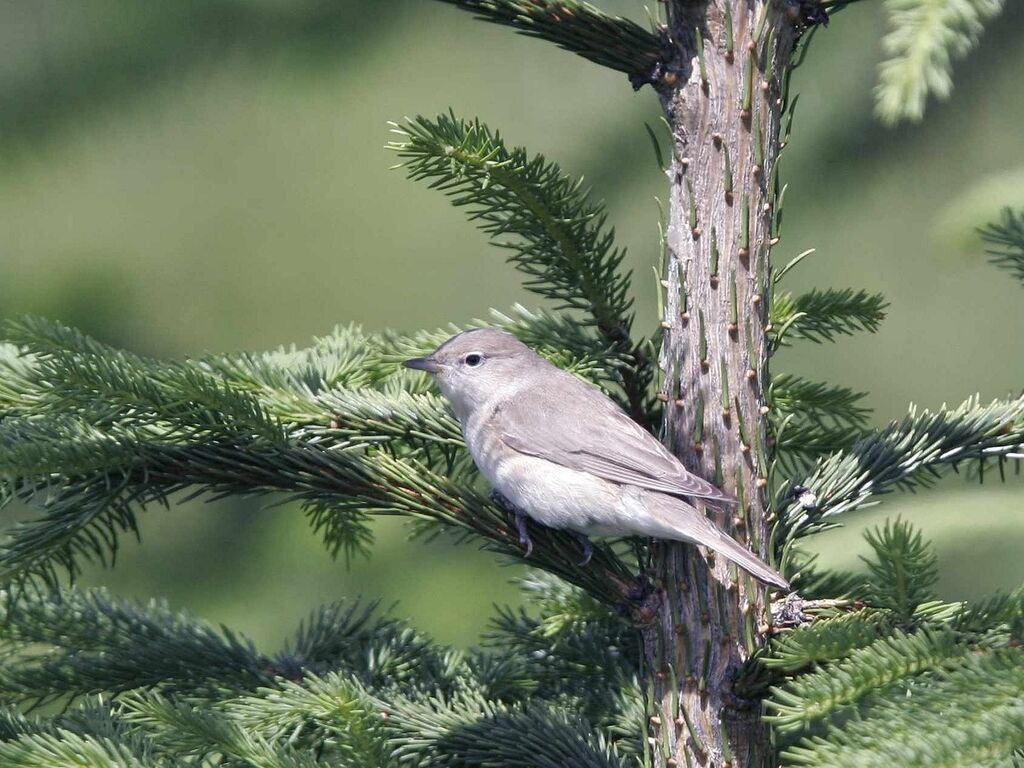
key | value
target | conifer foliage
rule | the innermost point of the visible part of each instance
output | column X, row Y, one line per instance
column 925, row 37
column 860, row 670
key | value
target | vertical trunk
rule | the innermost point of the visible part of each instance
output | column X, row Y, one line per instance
column 724, row 107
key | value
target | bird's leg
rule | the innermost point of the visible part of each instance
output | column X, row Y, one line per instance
column 588, row 548
column 524, row 535
column 520, row 518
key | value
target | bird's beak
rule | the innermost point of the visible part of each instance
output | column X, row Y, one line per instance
column 428, row 364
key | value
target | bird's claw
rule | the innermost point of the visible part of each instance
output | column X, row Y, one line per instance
column 520, row 518
column 524, row 534
column 588, row 548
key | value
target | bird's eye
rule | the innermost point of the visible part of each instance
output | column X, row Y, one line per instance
column 473, row 359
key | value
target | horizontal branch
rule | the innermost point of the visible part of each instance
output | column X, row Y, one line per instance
column 968, row 715
column 826, row 640
column 188, row 731
column 330, row 476
column 353, row 688
column 821, row 315
column 905, row 454
column 820, row 694
column 96, row 433
column 610, row 41
column 67, row 748
column 818, row 402
column 569, row 645
column 58, row 646
column 474, row 731
column 69, row 643
column 811, row 419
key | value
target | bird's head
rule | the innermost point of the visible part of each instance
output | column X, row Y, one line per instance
column 474, row 367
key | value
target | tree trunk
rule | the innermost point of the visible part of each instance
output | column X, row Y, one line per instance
column 724, row 99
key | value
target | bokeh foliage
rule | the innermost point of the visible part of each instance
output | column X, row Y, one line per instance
column 338, row 429
column 182, row 178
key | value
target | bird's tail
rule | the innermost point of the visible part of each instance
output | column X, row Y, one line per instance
column 681, row 522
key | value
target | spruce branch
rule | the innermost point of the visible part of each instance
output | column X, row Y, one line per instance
column 555, row 234
column 194, row 698
column 472, row 731
column 15, row 380
column 799, row 441
column 330, row 715
column 811, row 697
column 562, row 244
column 905, row 454
column 814, row 582
column 819, row 402
column 811, row 419
column 903, row 570
column 63, row 645
column 571, row 646
column 75, row 371
column 501, row 677
column 67, row 749
column 610, row 41
column 97, row 434
column 1003, row 613
column 14, row 724
column 48, row 367
column 864, row 660
column 1006, row 241
column 968, row 715
column 327, row 475
column 924, row 38
column 353, row 359
column 826, row 639
column 183, row 729
column 373, row 649
column 83, row 520
column 821, row 315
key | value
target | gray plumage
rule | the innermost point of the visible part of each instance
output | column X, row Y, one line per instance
column 565, row 454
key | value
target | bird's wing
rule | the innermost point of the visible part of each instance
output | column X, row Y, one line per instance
column 594, row 435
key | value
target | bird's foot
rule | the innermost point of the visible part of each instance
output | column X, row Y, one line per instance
column 524, row 534
column 588, row 548
column 520, row 518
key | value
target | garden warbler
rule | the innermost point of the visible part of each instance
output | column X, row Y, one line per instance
column 564, row 454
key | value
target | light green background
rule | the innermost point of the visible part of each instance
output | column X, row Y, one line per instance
column 180, row 176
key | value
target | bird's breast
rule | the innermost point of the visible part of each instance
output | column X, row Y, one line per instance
column 552, row 494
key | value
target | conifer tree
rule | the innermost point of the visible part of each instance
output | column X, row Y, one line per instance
column 654, row 653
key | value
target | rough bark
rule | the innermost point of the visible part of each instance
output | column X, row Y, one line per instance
column 723, row 98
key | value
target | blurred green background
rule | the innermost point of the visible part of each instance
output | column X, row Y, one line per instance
column 184, row 176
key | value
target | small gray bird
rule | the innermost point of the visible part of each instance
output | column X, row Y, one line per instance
column 563, row 453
